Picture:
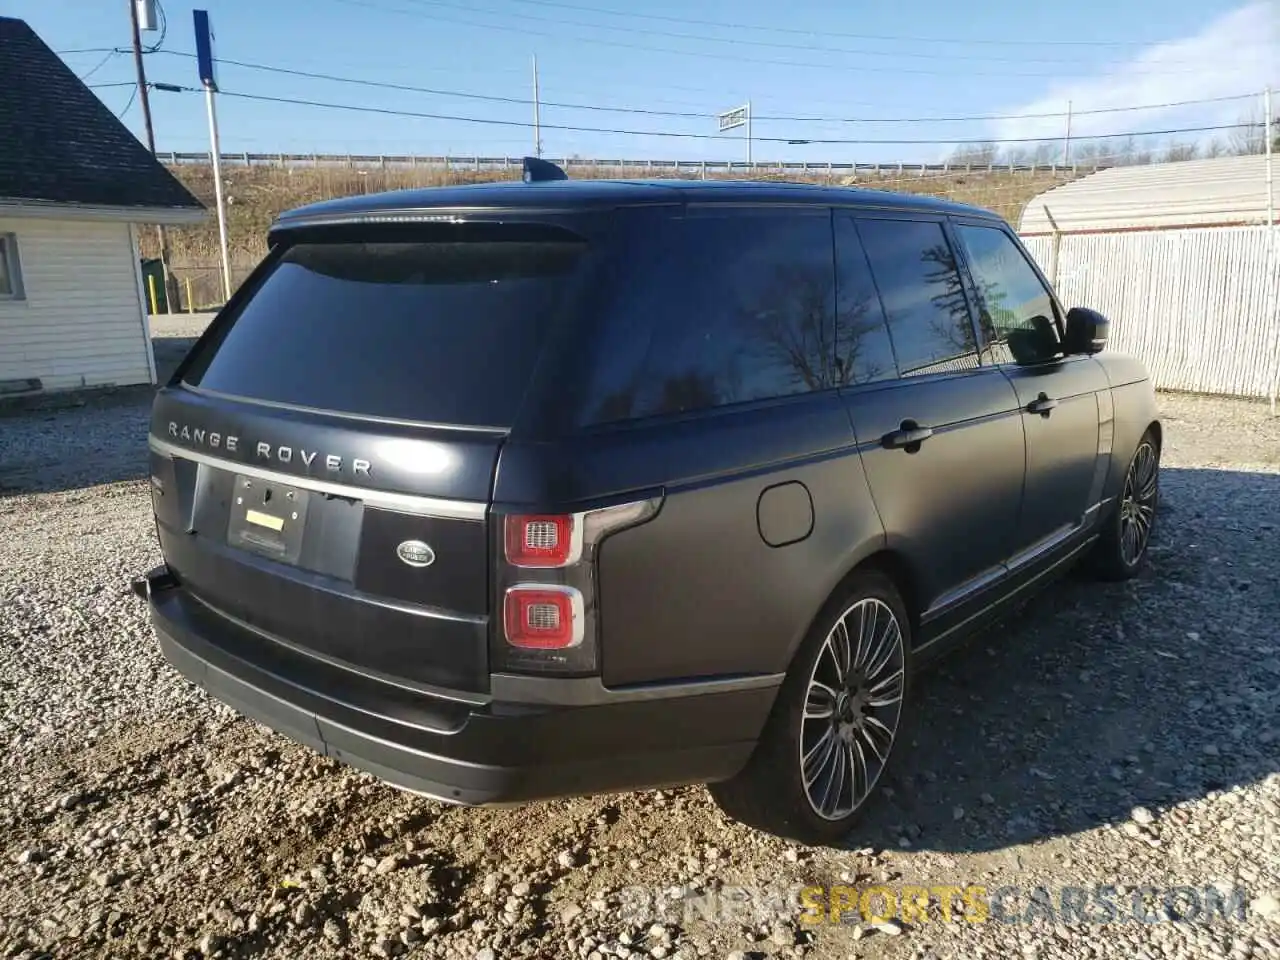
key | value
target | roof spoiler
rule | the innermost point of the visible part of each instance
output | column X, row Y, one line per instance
column 537, row 170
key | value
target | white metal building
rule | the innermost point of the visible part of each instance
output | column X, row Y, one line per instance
column 1180, row 257
column 74, row 186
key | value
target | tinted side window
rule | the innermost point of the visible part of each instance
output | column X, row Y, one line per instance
column 721, row 309
column 923, row 295
column 864, row 352
column 1016, row 312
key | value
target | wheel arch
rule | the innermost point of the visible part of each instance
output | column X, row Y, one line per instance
column 1157, row 430
column 891, row 564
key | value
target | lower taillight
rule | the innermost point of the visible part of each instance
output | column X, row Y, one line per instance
column 542, row 617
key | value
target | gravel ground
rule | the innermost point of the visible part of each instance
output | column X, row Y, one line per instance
column 1124, row 735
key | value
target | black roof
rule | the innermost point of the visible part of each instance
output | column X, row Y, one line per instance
column 571, row 194
column 61, row 144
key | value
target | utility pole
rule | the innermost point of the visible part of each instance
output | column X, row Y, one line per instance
column 206, row 65
column 537, row 122
column 749, row 133
column 145, row 102
column 1066, row 143
column 1271, row 242
column 1271, row 189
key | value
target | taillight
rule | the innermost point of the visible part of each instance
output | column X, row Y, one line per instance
column 546, row 587
column 543, row 617
column 543, row 541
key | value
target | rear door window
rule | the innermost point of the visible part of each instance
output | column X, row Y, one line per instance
column 719, row 308
column 864, row 352
column 440, row 332
column 923, row 295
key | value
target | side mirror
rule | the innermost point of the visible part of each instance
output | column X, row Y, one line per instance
column 1035, row 343
column 1086, row 331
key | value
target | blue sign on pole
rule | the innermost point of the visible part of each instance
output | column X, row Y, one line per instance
column 204, row 49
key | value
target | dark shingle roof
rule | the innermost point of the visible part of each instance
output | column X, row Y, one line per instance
column 61, row 143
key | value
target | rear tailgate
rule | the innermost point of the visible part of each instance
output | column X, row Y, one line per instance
column 323, row 463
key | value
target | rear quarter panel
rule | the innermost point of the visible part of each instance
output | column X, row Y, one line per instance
column 697, row 591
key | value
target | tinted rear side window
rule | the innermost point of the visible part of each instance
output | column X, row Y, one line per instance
column 923, row 295
column 864, row 352
column 445, row 332
column 718, row 309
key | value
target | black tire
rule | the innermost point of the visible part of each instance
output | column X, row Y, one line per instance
column 1114, row 555
column 770, row 793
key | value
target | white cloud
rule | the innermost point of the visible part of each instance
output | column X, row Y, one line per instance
column 1237, row 53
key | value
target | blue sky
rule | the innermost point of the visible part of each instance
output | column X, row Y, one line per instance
column 876, row 62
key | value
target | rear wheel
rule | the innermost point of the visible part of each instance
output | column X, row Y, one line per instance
column 1122, row 548
column 834, row 728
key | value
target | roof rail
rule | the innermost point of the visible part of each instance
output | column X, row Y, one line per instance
column 536, row 170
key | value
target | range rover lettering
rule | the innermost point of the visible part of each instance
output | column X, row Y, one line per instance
column 526, row 490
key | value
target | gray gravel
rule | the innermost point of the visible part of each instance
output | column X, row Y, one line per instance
column 1108, row 734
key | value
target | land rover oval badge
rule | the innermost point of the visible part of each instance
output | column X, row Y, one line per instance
column 416, row 553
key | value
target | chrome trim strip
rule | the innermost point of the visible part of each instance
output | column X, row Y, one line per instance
column 340, row 414
column 1045, row 545
column 1010, row 596
column 405, row 502
column 964, row 592
column 1015, row 563
column 589, row 691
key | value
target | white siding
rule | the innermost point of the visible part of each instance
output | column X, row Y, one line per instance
column 81, row 323
column 1196, row 306
column 1191, row 193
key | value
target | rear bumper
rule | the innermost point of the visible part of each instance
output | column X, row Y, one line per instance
column 461, row 752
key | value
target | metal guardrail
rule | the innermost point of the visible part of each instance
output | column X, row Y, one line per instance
column 703, row 167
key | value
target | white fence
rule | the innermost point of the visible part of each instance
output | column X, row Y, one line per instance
column 1198, row 306
column 386, row 161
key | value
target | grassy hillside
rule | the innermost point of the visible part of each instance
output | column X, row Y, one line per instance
column 256, row 195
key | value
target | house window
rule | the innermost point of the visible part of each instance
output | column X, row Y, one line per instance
column 10, row 272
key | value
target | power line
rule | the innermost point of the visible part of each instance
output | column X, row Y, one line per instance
column 805, row 48
column 132, row 97
column 641, row 111
column 100, row 64
column 742, row 41
column 844, row 67
column 386, row 111
column 118, row 83
column 796, row 31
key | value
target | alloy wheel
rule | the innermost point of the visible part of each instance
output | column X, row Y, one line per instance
column 852, row 708
column 1138, row 504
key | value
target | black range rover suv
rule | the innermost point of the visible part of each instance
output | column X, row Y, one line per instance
column 523, row 490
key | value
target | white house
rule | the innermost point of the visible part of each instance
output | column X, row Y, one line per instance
column 1181, row 258
column 75, row 185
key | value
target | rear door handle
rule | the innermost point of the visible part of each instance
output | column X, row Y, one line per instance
column 909, row 437
column 1042, row 405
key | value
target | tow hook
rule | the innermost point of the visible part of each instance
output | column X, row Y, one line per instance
column 153, row 581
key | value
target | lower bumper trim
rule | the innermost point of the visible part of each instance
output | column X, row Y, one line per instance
column 502, row 753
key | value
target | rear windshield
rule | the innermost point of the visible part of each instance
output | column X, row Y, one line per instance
column 441, row 332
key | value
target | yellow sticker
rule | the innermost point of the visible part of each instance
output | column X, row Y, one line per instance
column 265, row 520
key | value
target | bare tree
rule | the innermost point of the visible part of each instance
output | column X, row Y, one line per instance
column 978, row 154
column 1089, row 153
column 1180, row 151
column 1249, row 136
column 1041, row 155
column 1215, row 148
